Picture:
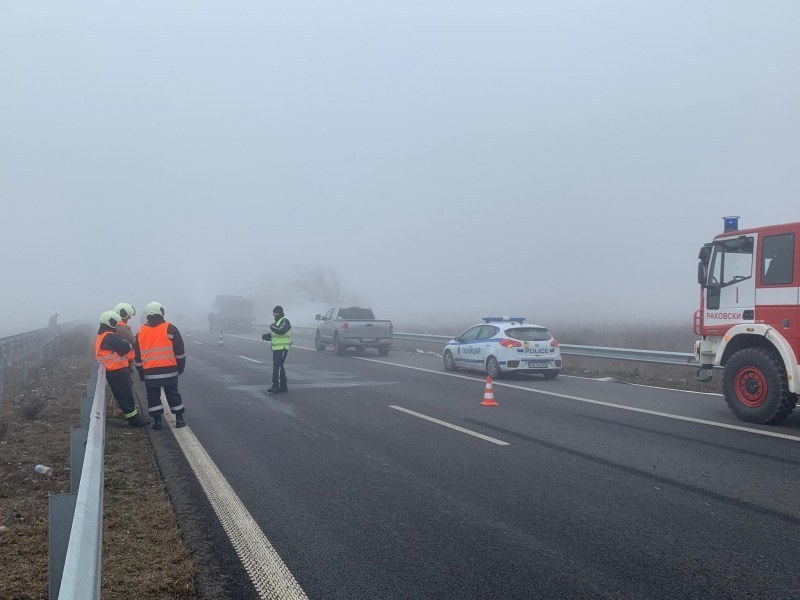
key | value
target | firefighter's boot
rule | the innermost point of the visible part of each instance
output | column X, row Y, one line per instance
column 274, row 389
column 179, row 422
column 284, row 387
column 157, row 423
column 138, row 420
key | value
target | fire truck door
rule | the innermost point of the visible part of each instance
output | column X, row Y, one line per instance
column 731, row 293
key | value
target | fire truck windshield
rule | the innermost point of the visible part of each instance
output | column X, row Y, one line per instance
column 732, row 262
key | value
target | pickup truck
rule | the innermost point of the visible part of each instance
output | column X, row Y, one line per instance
column 353, row 327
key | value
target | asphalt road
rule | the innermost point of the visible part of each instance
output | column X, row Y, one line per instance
column 592, row 497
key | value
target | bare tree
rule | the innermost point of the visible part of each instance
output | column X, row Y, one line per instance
column 321, row 284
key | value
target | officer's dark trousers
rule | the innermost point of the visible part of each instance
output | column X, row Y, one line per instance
column 278, row 372
column 120, row 383
column 154, row 406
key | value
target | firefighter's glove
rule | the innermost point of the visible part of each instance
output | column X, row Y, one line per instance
column 267, row 337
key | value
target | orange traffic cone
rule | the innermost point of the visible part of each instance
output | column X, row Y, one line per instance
column 488, row 395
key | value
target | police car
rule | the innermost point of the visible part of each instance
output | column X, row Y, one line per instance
column 502, row 345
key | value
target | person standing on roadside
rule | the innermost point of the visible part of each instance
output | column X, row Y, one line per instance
column 115, row 353
column 160, row 359
column 126, row 311
column 280, row 337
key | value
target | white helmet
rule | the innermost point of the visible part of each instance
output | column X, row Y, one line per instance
column 125, row 310
column 154, row 308
column 110, row 318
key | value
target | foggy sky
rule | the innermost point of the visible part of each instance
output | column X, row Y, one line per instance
column 563, row 160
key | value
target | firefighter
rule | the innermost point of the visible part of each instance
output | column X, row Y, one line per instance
column 116, row 354
column 160, row 359
column 126, row 311
column 280, row 336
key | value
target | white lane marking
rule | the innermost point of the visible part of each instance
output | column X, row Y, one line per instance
column 196, row 342
column 774, row 434
column 655, row 387
column 270, row 576
column 451, row 426
column 644, row 385
column 783, row 436
column 251, row 360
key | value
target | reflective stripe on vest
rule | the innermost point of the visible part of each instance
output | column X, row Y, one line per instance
column 109, row 358
column 281, row 342
column 155, row 348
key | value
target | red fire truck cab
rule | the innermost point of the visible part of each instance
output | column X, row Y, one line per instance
column 749, row 318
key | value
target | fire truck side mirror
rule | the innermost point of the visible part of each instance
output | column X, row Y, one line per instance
column 705, row 253
column 702, row 274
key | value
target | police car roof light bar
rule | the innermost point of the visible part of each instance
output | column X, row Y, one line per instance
column 503, row 319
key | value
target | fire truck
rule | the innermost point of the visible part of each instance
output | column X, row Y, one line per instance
column 749, row 318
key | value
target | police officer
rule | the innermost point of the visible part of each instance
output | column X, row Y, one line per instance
column 280, row 336
column 115, row 353
column 160, row 358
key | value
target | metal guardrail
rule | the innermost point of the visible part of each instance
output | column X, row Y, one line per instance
column 76, row 519
column 681, row 359
column 20, row 347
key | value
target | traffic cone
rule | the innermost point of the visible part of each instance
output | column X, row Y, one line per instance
column 488, row 395
column 220, row 342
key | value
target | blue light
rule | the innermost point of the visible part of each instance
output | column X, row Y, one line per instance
column 503, row 319
column 731, row 223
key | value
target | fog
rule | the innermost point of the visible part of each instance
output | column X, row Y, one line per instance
column 445, row 160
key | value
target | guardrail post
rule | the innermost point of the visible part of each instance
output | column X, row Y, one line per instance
column 86, row 411
column 2, row 373
column 77, row 451
column 61, row 510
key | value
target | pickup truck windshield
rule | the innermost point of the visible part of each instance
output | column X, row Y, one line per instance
column 355, row 314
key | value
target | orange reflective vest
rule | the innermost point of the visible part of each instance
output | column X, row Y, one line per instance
column 109, row 358
column 155, row 350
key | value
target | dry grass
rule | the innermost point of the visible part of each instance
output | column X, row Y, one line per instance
column 143, row 554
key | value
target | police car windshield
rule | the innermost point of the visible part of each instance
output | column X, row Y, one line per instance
column 529, row 334
column 356, row 313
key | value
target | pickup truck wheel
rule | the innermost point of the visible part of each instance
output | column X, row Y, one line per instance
column 337, row 346
column 383, row 350
column 318, row 345
column 755, row 387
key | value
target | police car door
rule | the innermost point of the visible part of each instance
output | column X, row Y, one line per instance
column 467, row 346
column 484, row 349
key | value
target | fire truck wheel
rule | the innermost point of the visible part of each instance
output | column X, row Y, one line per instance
column 755, row 387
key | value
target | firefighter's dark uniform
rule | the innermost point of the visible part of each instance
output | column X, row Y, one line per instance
column 160, row 358
column 115, row 354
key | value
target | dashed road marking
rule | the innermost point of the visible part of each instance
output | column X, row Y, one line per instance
column 251, row 360
column 269, row 574
column 196, row 342
column 451, row 426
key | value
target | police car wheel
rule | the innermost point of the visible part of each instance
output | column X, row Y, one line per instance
column 493, row 368
column 552, row 374
column 449, row 361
